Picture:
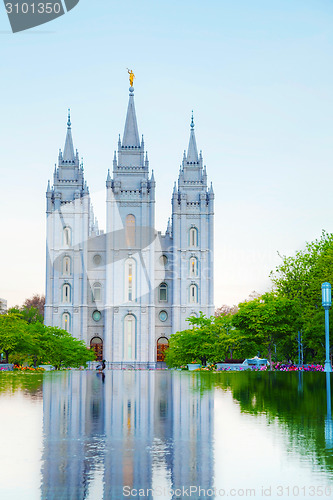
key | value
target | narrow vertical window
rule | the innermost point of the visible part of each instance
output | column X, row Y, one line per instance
column 130, row 231
column 193, row 267
column 130, row 282
column 67, row 236
column 193, row 294
column 66, row 322
column 66, row 293
column 163, row 292
column 66, row 266
column 130, row 270
column 129, row 337
column 193, row 237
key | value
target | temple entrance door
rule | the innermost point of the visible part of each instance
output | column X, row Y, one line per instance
column 96, row 344
column 162, row 345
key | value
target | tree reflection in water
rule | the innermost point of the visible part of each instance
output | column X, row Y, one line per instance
column 299, row 402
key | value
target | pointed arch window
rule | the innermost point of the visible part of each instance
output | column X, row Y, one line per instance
column 66, row 293
column 130, row 231
column 66, row 266
column 67, row 236
column 193, row 294
column 193, row 237
column 66, row 321
column 130, row 280
column 97, row 292
column 193, row 267
column 129, row 337
column 163, row 292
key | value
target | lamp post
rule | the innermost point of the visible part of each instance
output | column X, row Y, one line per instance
column 326, row 294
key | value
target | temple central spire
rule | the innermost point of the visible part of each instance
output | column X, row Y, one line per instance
column 131, row 134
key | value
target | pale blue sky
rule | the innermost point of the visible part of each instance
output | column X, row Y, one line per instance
column 257, row 74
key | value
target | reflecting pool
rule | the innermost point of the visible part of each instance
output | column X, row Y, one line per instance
column 165, row 434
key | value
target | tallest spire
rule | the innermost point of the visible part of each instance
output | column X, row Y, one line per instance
column 69, row 148
column 131, row 134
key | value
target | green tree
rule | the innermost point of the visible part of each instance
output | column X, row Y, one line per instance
column 13, row 333
column 37, row 302
column 208, row 340
column 36, row 343
column 200, row 342
column 267, row 321
column 299, row 278
column 55, row 346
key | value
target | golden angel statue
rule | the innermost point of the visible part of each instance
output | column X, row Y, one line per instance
column 131, row 76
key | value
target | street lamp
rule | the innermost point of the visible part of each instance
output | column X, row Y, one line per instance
column 326, row 294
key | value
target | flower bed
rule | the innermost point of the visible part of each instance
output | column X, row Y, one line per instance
column 28, row 369
column 279, row 367
column 289, row 367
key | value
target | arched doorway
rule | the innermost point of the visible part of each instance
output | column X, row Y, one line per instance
column 162, row 345
column 96, row 344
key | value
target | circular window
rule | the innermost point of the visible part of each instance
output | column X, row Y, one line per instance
column 97, row 260
column 163, row 260
column 163, row 315
column 96, row 315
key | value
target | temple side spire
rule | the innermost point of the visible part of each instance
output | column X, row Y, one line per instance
column 69, row 155
column 192, row 152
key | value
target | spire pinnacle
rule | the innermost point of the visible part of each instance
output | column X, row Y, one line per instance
column 131, row 134
column 192, row 121
column 68, row 155
column 192, row 152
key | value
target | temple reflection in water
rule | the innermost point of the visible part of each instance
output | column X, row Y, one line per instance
column 140, row 429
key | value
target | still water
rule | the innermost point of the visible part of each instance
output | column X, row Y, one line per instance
column 165, row 435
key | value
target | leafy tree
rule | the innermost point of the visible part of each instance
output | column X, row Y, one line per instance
column 197, row 343
column 225, row 309
column 37, row 343
column 299, row 278
column 13, row 333
column 52, row 345
column 234, row 344
column 31, row 315
column 59, row 348
column 267, row 320
column 36, row 302
column 208, row 340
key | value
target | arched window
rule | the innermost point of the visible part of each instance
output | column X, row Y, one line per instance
column 129, row 338
column 66, row 293
column 130, row 274
column 164, row 260
column 130, row 231
column 67, row 236
column 193, row 237
column 193, row 294
column 97, row 292
column 66, row 322
column 66, row 266
column 193, row 267
column 163, row 292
